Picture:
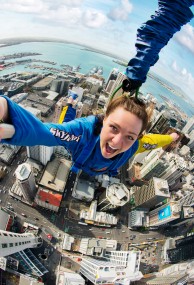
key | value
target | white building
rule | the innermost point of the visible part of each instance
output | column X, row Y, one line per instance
column 189, row 126
column 118, row 82
column 91, row 216
column 69, row 278
column 111, row 78
column 118, row 267
column 96, row 247
column 83, row 190
column 40, row 153
column 67, row 242
column 164, row 214
column 14, row 242
column 116, row 195
column 96, row 83
column 138, row 218
column 169, row 166
column 26, row 181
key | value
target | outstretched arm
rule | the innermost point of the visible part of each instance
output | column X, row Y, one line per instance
column 152, row 141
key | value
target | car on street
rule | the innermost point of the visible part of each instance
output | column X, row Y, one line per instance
column 24, row 215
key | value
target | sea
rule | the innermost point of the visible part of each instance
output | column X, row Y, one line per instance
column 76, row 55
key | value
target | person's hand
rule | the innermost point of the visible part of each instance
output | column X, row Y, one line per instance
column 3, row 109
column 72, row 101
column 174, row 136
column 6, row 130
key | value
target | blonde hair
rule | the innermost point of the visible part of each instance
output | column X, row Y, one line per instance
column 132, row 105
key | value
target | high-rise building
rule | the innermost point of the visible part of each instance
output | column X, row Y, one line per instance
column 153, row 165
column 181, row 250
column 117, row 267
column 160, row 123
column 189, row 126
column 117, row 83
column 138, row 218
column 170, row 167
column 40, row 153
column 109, row 87
column 164, row 214
column 58, row 109
column 116, row 195
column 64, row 87
column 13, row 242
column 56, row 85
column 112, row 77
column 148, row 196
column 176, row 167
column 26, row 181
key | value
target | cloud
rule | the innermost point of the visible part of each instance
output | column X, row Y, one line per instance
column 186, row 37
column 61, row 12
column 93, row 19
column 184, row 78
column 122, row 11
column 62, row 16
column 27, row 6
column 175, row 66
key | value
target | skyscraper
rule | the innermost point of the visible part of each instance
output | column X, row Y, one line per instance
column 112, row 77
column 117, row 83
column 117, row 267
column 26, row 181
column 148, row 196
column 14, row 242
column 164, row 214
column 161, row 123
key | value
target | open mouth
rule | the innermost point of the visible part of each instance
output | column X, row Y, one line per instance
column 110, row 149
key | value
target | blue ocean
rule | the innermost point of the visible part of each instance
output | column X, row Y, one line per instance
column 75, row 55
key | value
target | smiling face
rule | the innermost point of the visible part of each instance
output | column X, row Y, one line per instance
column 120, row 130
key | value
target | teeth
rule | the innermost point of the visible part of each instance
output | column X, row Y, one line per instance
column 113, row 147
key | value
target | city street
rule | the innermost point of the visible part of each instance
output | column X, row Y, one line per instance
column 149, row 242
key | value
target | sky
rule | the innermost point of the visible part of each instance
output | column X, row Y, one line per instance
column 108, row 25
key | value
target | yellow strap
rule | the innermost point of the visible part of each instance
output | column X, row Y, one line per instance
column 62, row 116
